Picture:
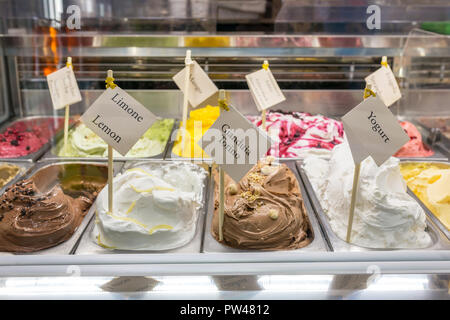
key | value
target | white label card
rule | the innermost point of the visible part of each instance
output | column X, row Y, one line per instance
column 234, row 143
column 201, row 86
column 118, row 118
column 359, row 153
column 373, row 130
column 264, row 89
column 384, row 84
column 63, row 88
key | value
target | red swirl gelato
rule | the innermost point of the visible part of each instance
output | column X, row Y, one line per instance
column 297, row 134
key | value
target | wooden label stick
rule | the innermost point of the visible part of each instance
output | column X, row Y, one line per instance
column 263, row 118
column 221, row 202
column 265, row 66
column 367, row 93
column 223, row 104
column 110, row 179
column 67, row 113
column 188, row 64
column 110, row 84
column 353, row 201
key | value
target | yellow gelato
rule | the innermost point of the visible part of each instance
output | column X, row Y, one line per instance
column 7, row 173
column 198, row 123
column 431, row 184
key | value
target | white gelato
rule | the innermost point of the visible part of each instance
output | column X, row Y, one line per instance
column 156, row 207
column 385, row 215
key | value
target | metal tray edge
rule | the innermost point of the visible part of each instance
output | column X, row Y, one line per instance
column 200, row 222
column 339, row 245
column 319, row 244
column 33, row 157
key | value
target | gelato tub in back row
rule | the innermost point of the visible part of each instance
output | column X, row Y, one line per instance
column 83, row 142
column 200, row 120
column 27, row 136
column 298, row 134
column 415, row 147
column 441, row 123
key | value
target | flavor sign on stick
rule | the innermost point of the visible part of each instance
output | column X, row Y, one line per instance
column 384, row 84
column 196, row 86
column 200, row 86
column 372, row 130
column 235, row 144
column 120, row 120
column 64, row 91
column 265, row 90
column 63, row 87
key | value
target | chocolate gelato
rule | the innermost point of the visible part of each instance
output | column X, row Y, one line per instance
column 34, row 217
column 264, row 210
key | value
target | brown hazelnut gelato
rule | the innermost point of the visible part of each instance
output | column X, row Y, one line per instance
column 266, row 212
column 32, row 220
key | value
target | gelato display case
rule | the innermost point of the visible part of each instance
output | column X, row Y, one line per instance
column 284, row 223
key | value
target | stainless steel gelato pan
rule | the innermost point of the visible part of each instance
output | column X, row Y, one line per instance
column 211, row 245
column 72, row 177
column 88, row 244
column 339, row 245
column 23, row 168
column 51, row 154
column 430, row 214
column 54, row 132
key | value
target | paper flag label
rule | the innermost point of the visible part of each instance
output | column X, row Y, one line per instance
column 264, row 89
column 373, row 130
column 118, row 119
column 201, row 86
column 234, row 143
column 63, row 88
column 359, row 153
column 384, row 84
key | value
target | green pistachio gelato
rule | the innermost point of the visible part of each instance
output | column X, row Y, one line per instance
column 83, row 142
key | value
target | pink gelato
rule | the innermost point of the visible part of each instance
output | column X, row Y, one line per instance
column 415, row 147
column 27, row 136
column 297, row 133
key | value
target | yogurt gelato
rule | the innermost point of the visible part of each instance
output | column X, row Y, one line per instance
column 385, row 215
